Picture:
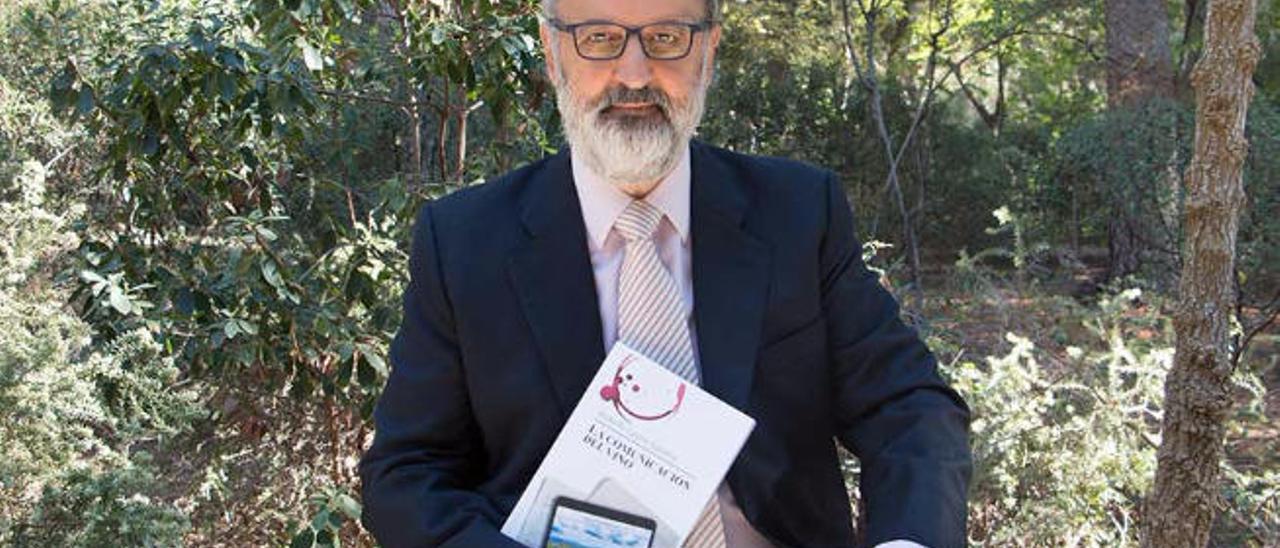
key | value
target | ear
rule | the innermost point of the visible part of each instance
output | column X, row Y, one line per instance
column 712, row 37
column 544, row 32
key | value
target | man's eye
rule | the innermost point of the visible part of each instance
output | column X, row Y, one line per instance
column 662, row 38
column 599, row 37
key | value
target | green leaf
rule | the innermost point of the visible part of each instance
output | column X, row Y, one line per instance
column 249, row 159
column 374, row 358
column 150, row 143
column 60, row 87
column 348, row 505
column 184, row 301
column 119, row 301
column 343, row 376
column 84, row 102
column 305, row 538
column 231, row 328
column 266, row 233
column 511, row 45
column 320, row 520
column 227, row 86
column 271, row 274
column 312, row 57
column 92, row 277
column 244, row 355
column 232, row 60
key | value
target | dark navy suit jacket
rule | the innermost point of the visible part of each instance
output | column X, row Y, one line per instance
column 501, row 335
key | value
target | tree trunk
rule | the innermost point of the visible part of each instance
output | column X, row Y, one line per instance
column 1139, row 68
column 1139, row 61
column 1180, row 507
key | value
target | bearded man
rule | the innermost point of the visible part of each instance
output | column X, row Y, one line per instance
column 741, row 273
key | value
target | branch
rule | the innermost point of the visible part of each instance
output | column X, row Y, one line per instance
column 1250, row 333
column 1020, row 29
column 931, row 86
column 985, row 114
column 369, row 98
column 50, row 163
column 848, row 41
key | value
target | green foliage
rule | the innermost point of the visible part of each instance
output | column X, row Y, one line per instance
column 1064, row 444
column 1064, row 456
column 1259, row 239
column 244, row 214
column 1130, row 162
column 45, row 422
column 333, row 508
column 1128, row 166
column 1253, row 497
column 74, row 418
column 205, row 209
column 103, row 509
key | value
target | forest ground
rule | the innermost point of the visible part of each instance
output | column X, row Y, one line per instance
column 971, row 320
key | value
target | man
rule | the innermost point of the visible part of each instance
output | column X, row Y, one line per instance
column 741, row 273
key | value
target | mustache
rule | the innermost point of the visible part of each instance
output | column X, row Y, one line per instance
column 645, row 94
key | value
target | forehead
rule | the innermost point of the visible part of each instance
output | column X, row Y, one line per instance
column 631, row 11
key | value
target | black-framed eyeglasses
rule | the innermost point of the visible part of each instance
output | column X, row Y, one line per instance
column 604, row 40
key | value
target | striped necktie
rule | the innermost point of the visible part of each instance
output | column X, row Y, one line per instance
column 653, row 319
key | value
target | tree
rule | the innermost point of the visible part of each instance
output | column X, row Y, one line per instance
column 1180, row 506
column 1139, row 62
column 871, row 13
column 1139, row 69
column 256, row 166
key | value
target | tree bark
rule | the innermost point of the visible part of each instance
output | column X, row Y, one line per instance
column 1139, row 68
column 1139, row 61
column 1180, row 507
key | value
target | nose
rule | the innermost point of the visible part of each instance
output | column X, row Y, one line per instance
column 632, row 68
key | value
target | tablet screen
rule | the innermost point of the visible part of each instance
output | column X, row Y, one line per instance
column 576, row 524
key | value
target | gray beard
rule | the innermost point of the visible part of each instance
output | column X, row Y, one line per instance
column 628, row 152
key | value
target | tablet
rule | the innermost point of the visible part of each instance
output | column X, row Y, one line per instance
column 579, row 524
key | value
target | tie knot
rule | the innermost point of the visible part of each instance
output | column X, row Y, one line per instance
column 639, row 221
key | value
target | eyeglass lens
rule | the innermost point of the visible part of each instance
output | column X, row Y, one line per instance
column 606, row 41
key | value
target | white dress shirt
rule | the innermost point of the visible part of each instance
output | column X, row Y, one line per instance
column 601, row 204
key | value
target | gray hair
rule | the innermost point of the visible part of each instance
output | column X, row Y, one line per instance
column 713, row 10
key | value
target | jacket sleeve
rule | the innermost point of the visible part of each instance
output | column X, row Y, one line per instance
column 419, row 475
column 893, row 411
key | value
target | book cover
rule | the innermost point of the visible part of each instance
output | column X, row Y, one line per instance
column 642, row 440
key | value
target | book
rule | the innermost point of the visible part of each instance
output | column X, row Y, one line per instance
column 642, row 440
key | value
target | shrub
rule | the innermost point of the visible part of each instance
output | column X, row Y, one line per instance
column 74, row 418
column 1064, row 446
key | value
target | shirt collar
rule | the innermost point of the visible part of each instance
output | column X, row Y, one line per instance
column 602, row 202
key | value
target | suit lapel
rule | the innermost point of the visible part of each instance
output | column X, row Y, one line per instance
column 552, row 275
column 731, row 270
